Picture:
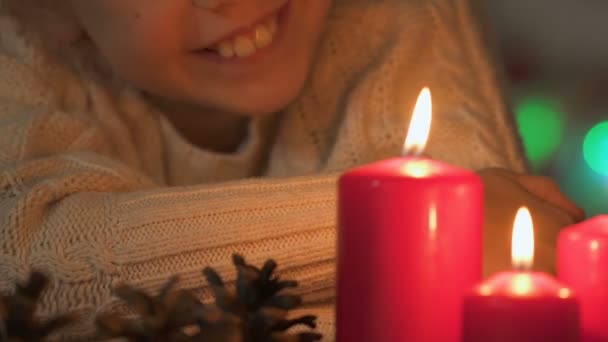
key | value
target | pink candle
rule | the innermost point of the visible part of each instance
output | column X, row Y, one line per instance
column 582, row 263
column 409, row 246
column 521, row 306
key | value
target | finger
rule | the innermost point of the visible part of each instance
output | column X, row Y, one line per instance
column 545, row 258
column 543, row 187
column 501, row 203
column 548, row 222
column 549, row 191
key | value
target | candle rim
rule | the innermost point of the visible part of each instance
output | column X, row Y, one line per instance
column 387, row 167
column 553, row 292
column 595, row 228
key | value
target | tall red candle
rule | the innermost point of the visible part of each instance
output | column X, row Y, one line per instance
column 521, row 306
column 409, row 246
column 582, row 263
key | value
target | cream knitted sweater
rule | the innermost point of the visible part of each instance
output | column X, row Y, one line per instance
column 99, row 189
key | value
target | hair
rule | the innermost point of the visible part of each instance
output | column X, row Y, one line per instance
column 47, row 20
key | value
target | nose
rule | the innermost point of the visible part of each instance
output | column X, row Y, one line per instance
column 212, row 4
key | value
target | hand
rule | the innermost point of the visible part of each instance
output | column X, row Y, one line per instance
column 551, row 211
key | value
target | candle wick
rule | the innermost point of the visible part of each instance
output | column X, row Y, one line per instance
column 521, row 267
column 414, row 151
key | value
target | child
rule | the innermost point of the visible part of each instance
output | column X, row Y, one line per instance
column 138, row 139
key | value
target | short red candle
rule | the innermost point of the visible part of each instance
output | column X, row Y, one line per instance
column 582, row 264
column 521, row 306
column 409, row 247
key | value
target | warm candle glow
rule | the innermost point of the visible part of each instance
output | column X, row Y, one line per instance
column 595, row 245
column 416, row 168
column 522, row 245
column 420, row 125
column 564, row 293
column 433, row 222
column 485, row 290
column 522, row 284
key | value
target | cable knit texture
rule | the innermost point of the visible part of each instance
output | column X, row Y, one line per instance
column 98, row 188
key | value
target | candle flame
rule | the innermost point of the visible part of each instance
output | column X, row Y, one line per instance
column 420, row 125
column 522, row 245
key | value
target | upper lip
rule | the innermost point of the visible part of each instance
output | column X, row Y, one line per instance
column 248, row 25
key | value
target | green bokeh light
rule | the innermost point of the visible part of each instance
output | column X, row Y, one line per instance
column 541, row 125
column 595, row 148
column 579, row 182
column 582, row 185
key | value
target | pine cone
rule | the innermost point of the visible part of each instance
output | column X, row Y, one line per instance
column 260, row 304
column 164, row 317
column 17, row 321
column 257, row 312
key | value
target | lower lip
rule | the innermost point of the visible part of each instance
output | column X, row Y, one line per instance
column 282, row 21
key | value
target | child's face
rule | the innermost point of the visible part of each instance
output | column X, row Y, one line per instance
column 181, row 52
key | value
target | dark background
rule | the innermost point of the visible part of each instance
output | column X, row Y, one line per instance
column 556, row 56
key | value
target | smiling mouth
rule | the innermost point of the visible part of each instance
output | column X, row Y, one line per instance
column 246, row 42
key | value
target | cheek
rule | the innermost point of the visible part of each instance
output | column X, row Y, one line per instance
column 320, row 8
column 142, row 51
column 315, row 13
column 135, row 39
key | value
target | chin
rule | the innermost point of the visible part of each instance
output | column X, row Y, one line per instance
column 265, row 104
column 257, row 99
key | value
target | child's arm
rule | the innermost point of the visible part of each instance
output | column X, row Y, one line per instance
column 92, row 223
column 473, row 113
column 440, row 44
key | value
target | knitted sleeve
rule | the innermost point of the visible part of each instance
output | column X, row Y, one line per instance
column 444, row 45
column 474, row 118
column 92, row 223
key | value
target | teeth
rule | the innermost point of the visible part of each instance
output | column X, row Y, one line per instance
column 226, row 50
column 244, row 47
column 247, row 44
column 273, row 25
column 263, row 37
